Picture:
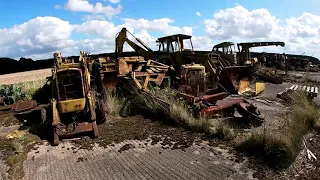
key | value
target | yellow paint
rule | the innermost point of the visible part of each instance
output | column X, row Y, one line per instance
column 243, row 86
column 71, row 105
column 260, row 86
column 16, row 134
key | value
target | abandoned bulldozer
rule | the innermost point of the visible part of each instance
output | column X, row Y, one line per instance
column 177, row 51
column 74, row 104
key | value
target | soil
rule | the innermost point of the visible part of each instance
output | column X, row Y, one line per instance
column 138, row 128
column 19, row 77
column 8, row 120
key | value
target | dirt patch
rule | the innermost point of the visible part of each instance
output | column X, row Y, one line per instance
column 125, row 147
column 8, row 120
column 138, row 128
column 81, row 159
column 14, row 153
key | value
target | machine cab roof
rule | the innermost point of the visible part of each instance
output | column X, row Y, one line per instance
column 175, row 43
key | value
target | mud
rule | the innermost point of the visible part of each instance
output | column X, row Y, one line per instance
column 138, row 128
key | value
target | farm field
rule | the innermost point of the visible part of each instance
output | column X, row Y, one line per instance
column 26, row 76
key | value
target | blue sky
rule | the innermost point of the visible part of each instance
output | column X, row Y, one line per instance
column 183, row 12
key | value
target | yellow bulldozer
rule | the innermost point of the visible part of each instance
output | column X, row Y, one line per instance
column 75, row 105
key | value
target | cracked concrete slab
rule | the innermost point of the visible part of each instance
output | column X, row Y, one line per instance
column 140, row 161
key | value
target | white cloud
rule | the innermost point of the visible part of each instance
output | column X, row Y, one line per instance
column 239, row 24
column 57, row 6
column 41, row 36
column 162, row 25
column 114, row 1
column 36, row 36
column 103, row 29
column 98, row 8
column 198, row 14
column 93, row 17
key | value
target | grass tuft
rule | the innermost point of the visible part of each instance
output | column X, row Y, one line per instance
column 280, row 147
column 113, row 103
column 161, row 104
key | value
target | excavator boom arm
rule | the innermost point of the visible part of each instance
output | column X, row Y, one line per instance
column 258, row 44
column 122, row 38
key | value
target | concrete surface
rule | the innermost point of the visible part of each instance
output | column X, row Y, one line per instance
column 4, row 131
column 271, row 91
column 141, row 162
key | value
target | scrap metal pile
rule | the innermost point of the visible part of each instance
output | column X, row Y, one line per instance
column 194, row 75
column 205, row 81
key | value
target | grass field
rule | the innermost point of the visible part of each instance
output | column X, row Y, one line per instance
column 26, row 76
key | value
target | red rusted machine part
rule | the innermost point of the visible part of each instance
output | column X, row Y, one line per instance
column 24, row 106
column 73, row 129
column 226, row 109
column 18, row 107
column 213, row 98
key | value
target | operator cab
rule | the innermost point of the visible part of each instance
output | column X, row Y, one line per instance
column 225, row 48
column 175, row 43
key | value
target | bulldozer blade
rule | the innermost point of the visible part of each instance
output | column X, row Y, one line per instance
column 229, row 77
column 260, row 86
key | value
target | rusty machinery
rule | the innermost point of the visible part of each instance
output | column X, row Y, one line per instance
column 74, row 106
column 193, row 90
column 195, row 72
column 122, row 37
column 142, row 69
column 220, row 73
column 243, row 56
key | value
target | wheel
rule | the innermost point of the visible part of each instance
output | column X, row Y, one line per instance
column 101, row 112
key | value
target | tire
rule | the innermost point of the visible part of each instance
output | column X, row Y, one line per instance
column 101, row 112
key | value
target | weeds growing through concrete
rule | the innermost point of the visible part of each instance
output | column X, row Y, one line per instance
column 161, row 104
column 113, row 103
column 280, row 147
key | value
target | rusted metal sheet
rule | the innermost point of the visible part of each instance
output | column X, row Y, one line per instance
column 6, row 109
column 73, row 129
column 213, row 97
column 249, row 111
column 227, row 109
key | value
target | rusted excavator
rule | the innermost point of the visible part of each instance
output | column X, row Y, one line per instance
column 193, row 74
column 198, row 73
column 75, row 106
column 142, row 70
column 243, row 56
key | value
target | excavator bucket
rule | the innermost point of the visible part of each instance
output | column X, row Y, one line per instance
column 230, row 76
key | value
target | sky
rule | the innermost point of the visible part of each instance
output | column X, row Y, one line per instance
column 38, row 28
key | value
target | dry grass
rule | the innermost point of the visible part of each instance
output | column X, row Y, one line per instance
column 114, row 103
column 26, row 76
column 160, row 104
column 28, row 88
column 280, row 146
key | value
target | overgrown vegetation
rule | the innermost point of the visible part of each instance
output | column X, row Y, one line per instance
column 280, row 147
column 114, row 103
column 161, row 104
column 21, row 91
column 14, row 153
